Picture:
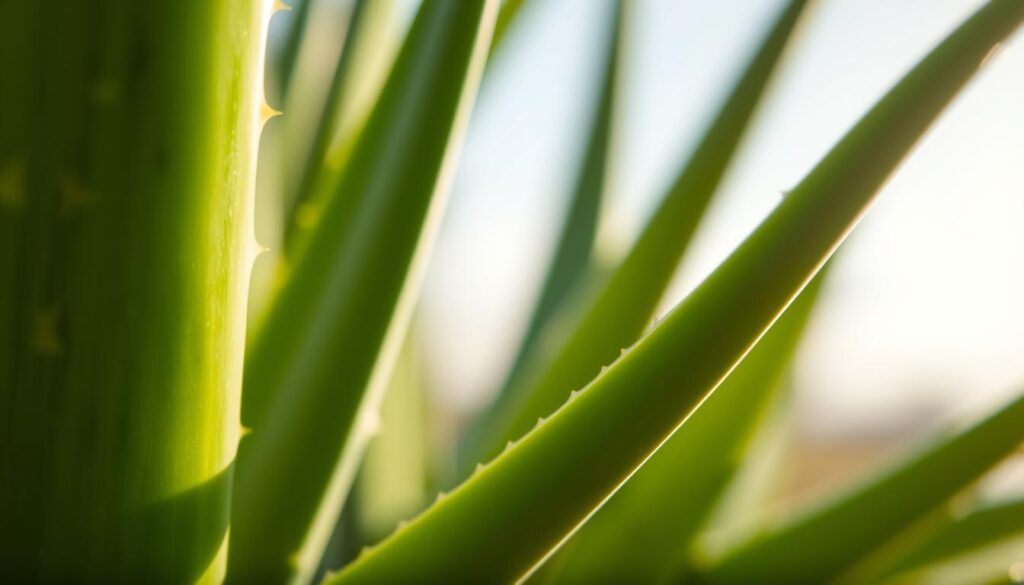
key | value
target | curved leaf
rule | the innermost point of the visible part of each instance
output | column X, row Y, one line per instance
column 347, row 301
column 290, row 51
column 518, row 509
column 510, row 10
column 661, row 508
column 828, row 541
column 977, row 530
column 617, row 315
column 343, row 111
column 573, row 254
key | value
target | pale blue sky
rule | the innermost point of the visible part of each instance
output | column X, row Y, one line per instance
column 924, row 313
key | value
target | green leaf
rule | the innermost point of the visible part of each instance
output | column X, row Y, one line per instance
column 961, row 536
column 573, row 254
column 356, row 80
column 512, row 513
column 508, row 14
column 395, row 474
column 830, row 540
column 128, row 135
column 315, row 368
column 289, row 58
column 997, row 564
column 617, row 315
column 661, row 508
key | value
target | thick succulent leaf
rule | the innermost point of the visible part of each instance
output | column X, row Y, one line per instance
column 316, row 366
column 366, row 53
column 510, row 10
column 293, row 37
column 752, row 493
column 617, row 315
column 357, row 78
column 997, row 564
column 128, row 138
column 961, row 536
column 828, row 541
column 512, row 513
column 395, row 474
column 573, row 254
column 660, row 509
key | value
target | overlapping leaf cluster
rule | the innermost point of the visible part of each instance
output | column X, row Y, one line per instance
column 606, row 452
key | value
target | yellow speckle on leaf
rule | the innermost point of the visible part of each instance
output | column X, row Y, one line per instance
column 12, row 184
column 46, row 337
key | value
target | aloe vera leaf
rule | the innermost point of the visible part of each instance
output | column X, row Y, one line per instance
column 573, row 253
column 128, row 134
column 314, row 370
column 978, row 529
column 858, row 523
column 510, row 10
column 619, row 312
column 997, row 563
column 356, row 80
column 294, row 35
column 748, row 500
column 517, row 510
column 661, row 508
column 394, row 478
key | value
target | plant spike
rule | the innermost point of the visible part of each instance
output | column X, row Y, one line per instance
column 516, row 511
column 314, row 369
column 128, row 137
column 617, row 316
column 662, row 507
column 573, row 254
column 860, row 522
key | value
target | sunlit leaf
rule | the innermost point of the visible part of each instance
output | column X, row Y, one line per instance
column 962, row 535
column 827, row 541
column 315, row 368
column 573, row 253
column 516, row 510
column 660, row 509
column 617, row 315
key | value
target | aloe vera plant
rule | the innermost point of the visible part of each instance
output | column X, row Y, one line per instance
column 143, row 439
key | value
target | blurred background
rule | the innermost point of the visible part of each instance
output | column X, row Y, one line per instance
column 921, row 324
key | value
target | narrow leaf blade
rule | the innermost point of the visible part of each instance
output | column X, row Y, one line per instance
column 514, row 512
column 314, row 371
column 617, row 315
column 573, row 254
column 661, row 508
column 981, row 528
column 829, row 541
column 342, row 111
